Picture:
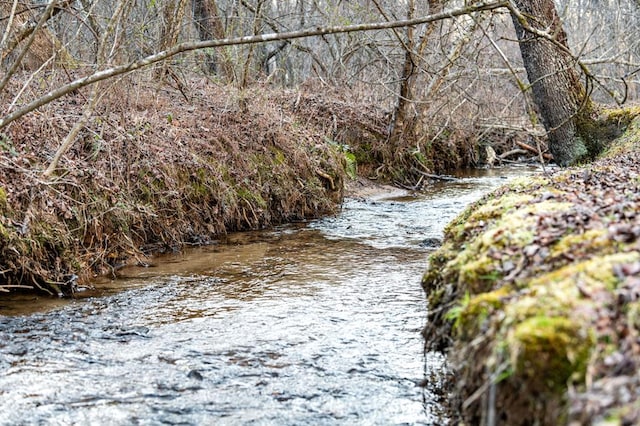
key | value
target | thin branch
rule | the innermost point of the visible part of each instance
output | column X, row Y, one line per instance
column 31, row 32
column 7, row 30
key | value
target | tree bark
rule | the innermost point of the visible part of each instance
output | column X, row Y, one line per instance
column 210, row 27
column 562, row 101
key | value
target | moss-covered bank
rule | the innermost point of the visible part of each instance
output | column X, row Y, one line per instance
column 535, row 296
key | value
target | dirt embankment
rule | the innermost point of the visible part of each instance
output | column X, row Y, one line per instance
column 154, row 171
column 535, row 295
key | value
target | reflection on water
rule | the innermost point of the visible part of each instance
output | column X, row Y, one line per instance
column 315, row 323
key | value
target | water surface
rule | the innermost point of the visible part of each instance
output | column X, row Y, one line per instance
column 315, row 323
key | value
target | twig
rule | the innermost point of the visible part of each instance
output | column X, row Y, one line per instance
column 438, row 177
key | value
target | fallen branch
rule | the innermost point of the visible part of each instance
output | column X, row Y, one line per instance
column 513, row 152
column 534, row 150
column 438, row 177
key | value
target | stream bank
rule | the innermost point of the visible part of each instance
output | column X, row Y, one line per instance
column 535, row 296
column 158, row 169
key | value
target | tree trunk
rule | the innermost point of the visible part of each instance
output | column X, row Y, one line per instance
column 562, row 101
column 403, row 111
column 210, row 27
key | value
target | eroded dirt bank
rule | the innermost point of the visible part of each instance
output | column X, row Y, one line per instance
column 535, row 296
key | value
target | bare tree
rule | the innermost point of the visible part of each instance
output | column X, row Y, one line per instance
column 424, row 75
column 210, row 26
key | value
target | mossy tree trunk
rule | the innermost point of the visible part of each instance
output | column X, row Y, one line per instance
column 561, row 98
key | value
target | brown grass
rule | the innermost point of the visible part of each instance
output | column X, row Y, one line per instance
column 153, row 172
column 159, row 167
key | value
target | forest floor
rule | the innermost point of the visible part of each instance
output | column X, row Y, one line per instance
column 535, row 294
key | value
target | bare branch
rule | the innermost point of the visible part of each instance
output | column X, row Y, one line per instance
column 264, row 38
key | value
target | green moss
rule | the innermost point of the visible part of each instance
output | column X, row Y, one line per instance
column 470, row 315
column 278, row 156
column 621, row 117
column 548, row 352
column 435, row 296
column 480, row 215
column 592, row 239
column 3, row 199
column 4, row 234
column 629, row 141
column 251, row 197
column 600, row 132
column 592, row 274
column 479, row 264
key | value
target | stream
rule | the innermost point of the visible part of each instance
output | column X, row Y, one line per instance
column 307, row 324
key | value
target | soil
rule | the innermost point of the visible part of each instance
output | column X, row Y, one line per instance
column 362, row 187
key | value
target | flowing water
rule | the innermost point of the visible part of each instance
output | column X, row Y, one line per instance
column 307, row 324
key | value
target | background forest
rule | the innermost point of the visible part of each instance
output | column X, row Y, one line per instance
column 456, row 79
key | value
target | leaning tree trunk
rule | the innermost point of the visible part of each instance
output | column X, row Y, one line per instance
column 562, row 101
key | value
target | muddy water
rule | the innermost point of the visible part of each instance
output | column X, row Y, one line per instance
column 316, row 323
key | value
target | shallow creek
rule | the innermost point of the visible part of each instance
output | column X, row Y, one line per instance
column 315, row 323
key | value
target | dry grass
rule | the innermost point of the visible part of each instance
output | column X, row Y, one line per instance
column 153, row 172
column 160, row 166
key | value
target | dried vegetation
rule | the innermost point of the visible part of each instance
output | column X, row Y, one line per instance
column 155, row 169
column 160, row 166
